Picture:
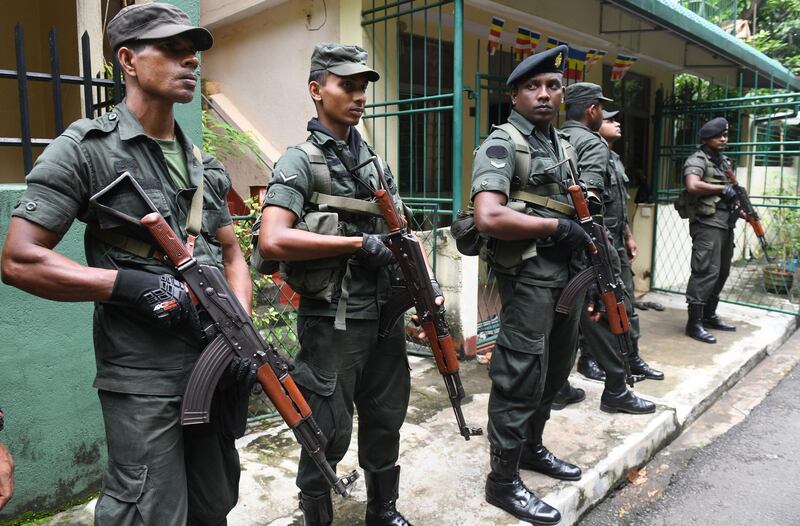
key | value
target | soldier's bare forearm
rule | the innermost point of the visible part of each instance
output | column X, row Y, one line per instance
column 492, row 217
column 279, row 241
column 694, row 185
column 30, row 263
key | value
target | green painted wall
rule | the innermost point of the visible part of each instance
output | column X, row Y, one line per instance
column 54, row 428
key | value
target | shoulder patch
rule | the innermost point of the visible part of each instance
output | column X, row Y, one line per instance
column 496, row 152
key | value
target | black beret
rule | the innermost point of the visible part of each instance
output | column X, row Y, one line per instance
column 550, row 61
column 713, row 128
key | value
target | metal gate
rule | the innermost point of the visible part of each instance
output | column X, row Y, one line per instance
column 764, row 147
column 414, row 113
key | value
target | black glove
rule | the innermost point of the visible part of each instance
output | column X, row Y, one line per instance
column 593, row 298
column 243, row 371
column 729, row 194
column 570, row 235
column 437, row 290
column 158, row 297
column 373, row 254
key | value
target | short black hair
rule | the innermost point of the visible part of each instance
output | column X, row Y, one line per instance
column 319, row 76
column 575, row 111
column 134, row 45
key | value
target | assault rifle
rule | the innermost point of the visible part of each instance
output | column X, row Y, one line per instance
column 750, row 214
column 231, row 333
column 599, row 272
column 420, row 292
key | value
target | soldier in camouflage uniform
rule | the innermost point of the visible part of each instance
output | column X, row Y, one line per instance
column 344, row 276
column 584, row 112
column 158, row 472
column 712, row 218
column 534, row 250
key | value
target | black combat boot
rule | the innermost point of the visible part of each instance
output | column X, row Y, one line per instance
column 589, row 368
column 710, row 318
column 641, row 368
column 617, row 398
column 567, row 395
column 505, row 490
column 694, row 327
column 317, row 510
column 381, row 498
column 536, row 457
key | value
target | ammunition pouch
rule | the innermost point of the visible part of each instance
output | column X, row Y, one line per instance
column 507, row 256
column 315, row 278
column 691, row 207
column 469, row 241
column 258, row 263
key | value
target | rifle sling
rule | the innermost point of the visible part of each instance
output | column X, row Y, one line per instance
column 552, row 204
column 346, row 204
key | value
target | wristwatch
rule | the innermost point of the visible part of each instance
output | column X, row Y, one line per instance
column 1, row 419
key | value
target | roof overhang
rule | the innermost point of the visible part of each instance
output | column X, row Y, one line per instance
column 718, row 46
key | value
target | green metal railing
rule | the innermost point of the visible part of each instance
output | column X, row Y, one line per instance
column 764, row 147
column 414, row 117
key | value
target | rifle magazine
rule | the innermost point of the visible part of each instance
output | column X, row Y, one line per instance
column 196, row 404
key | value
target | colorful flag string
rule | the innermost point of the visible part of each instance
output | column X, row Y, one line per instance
column 495, row 30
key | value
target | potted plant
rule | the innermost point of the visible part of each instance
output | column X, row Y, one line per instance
column 779, row 274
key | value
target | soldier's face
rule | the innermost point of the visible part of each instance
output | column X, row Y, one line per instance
column 165, row 69
column 538, row 98
column 342, row 99
column 717, row 143
column 610, row 130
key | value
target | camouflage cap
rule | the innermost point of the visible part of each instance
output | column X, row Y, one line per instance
column 584, row 92
column 549, row 61
column 342, row 60
column 156, row 20
column 713, row 128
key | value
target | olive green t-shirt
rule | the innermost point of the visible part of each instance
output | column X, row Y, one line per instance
column 176, row 162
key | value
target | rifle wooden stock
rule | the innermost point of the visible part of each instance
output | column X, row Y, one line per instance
column 390, row 214
column 284, row 395
column 166, row 238
column 582, row 210
column 616, row 314
column 444, row 351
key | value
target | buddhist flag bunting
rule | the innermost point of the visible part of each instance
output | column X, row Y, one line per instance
column 593, row 56
column 522, row 47
column 621, row 66
column 534, row 37
column 495, row 30
column 576, row 60
column 554, row 42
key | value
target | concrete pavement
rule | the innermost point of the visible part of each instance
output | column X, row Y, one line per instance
column 443, row 475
